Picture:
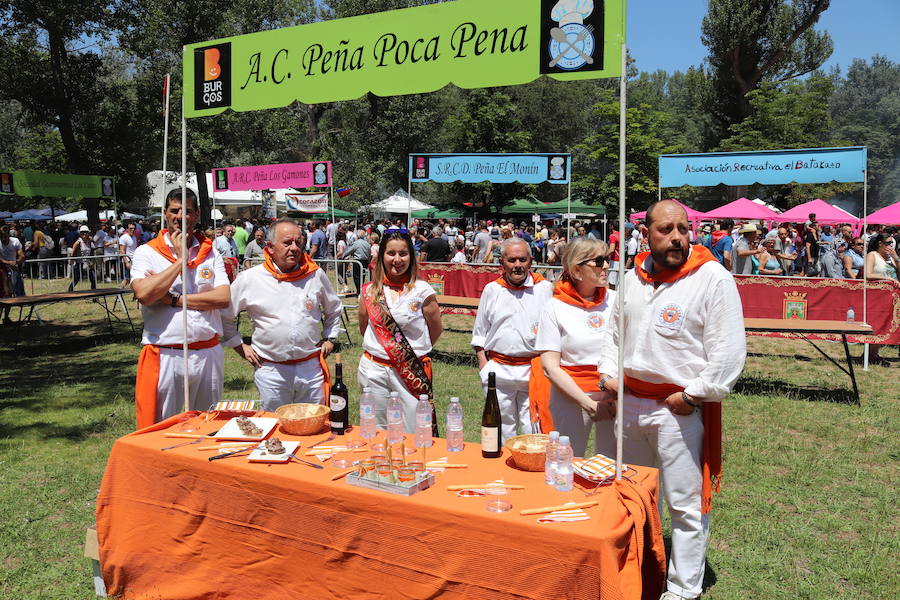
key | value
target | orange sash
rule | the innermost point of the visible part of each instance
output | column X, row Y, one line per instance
column 535, row 278
column 585, row 377
column 538, row 387
column 711, row 452
column 326, row 383
column 159, row 244
column 566, row 292
column 698, row 256
column 148, row 379
column 306, row 267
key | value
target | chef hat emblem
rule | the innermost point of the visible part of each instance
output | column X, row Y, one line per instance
column 557, row 161
column 320, row 167
column 572, row 11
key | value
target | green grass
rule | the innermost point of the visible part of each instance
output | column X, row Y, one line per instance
column 807, row 508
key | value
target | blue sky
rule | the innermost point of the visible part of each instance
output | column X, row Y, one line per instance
column 665, row 34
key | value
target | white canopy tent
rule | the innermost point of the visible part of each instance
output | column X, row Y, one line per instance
column 399, row 202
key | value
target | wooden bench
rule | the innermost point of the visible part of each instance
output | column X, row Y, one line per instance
column 803, row 328
column 99, row 297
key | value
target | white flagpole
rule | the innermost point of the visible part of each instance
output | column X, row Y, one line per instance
column 183, row 251
column 162, row 203
column 334, row 246
column 865, row 279
column 620, row 287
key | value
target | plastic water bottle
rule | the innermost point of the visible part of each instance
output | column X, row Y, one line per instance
column 565, row 476
column 851, row 316
column 423, row 422
column 552, row 457
column 367, row 426
column 454, row 426
column 394, row 418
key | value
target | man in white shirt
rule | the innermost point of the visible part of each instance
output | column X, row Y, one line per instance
column 684, row 349
column 504, row 336
column 127, row 246
column 156, row 281
column 287, row 297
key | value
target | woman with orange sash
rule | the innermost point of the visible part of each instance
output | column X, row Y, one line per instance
column 569, row 339
column 400, row 320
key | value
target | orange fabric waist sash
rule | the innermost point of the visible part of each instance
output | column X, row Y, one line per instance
column 711, row 451
column 148, row 379
column 538, row 388
column 585, row 377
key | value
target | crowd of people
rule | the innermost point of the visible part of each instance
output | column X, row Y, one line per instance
column 560, row 338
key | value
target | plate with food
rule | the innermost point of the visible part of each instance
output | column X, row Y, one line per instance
column 243, row 428
column 274, row 450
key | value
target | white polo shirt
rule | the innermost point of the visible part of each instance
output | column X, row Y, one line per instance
column 407, row 312
column 688, row 333
column 162, row 324
column 287, row 315
column 508, row 320
column 576, row 333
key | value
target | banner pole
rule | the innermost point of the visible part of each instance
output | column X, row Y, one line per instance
column 184, row 249
column 162, row 202
column 620, row 287
column 409, row 197
column 569, row 210
column 865, row 279
column 334, row 246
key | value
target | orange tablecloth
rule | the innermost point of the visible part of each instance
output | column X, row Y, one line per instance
column 174, row 525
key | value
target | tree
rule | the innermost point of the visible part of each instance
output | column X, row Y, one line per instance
column 752, row 41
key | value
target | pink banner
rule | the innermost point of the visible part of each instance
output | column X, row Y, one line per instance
column 271, row 177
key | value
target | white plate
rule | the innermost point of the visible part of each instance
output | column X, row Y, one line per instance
column 231, row 431
column 261, row 455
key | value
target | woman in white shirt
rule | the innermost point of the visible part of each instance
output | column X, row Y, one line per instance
column 569, row 339
column 400, row 320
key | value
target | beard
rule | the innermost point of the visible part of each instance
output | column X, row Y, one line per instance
column 670, row 257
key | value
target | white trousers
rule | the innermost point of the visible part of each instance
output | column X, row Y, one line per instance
column 383, row 380
column 285, row 384
column 206, row 375
column 512, row 395
column 569, row 419
column 653, row 436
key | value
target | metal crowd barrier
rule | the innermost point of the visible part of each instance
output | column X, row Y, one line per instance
column 51, row 275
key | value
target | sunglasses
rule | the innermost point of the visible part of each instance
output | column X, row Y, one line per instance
column 599, row 261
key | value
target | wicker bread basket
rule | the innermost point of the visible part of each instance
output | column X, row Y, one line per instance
column 529, row 451
column 303, row 419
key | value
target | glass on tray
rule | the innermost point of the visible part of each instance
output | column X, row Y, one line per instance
column 406, row 474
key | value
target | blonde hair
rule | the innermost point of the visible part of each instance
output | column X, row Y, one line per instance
column 579, row 250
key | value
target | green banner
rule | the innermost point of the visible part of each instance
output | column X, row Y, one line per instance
column 470, row 43
column 34, row 184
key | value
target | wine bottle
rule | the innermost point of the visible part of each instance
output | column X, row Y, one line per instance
column 490, row 421
column 339, row 405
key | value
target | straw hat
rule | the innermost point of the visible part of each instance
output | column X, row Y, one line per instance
column 749, row 228
column 84, row 228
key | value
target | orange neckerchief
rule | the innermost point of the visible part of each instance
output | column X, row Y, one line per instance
column 535, row 279
column 698, row 256
column 159, row 244
column 396, row 286
column 566, row 292
column 306, row 267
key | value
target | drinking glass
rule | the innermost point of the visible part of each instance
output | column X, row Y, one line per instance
column 496, row 495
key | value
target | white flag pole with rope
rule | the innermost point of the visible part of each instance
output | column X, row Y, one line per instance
column 183, row 253
column 620, row 287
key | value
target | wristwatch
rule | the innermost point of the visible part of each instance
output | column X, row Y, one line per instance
column 175, row 298
column 690, row 401
column 603, row 381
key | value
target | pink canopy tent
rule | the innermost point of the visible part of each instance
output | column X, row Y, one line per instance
column 693, row 215
column 889, row 215
column 825, row 213
column 742, row 208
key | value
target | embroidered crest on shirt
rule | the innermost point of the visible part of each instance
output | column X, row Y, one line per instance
column 595, row 321
column 414, row 306
column 671, row 317
column 310, row 305
column 206, row 273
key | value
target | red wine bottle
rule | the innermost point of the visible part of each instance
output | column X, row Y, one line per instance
column 490, row 421
column 340, row 411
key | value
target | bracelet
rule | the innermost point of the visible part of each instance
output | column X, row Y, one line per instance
column 687, row 400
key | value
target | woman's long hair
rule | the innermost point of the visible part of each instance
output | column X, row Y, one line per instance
column 377, row 288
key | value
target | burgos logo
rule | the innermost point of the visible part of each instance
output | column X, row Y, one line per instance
column 212, row 76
